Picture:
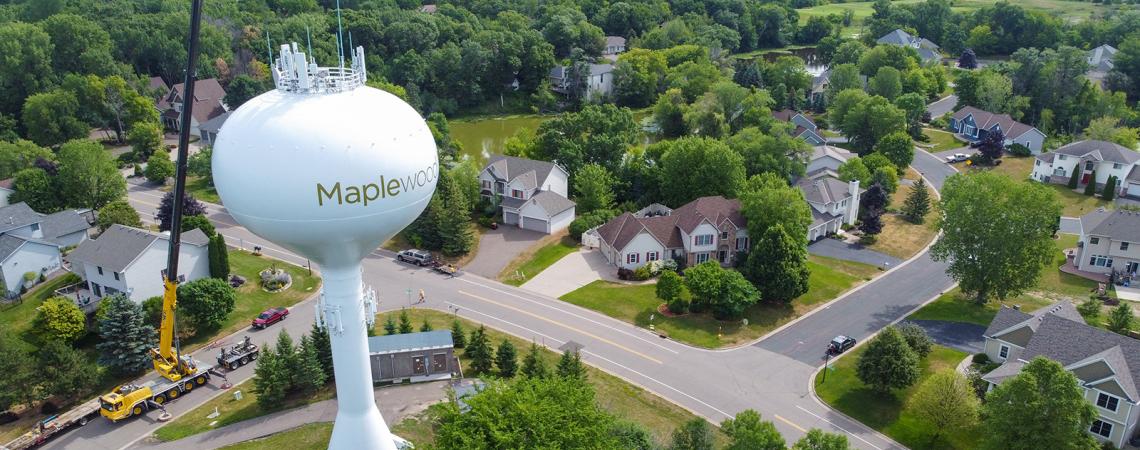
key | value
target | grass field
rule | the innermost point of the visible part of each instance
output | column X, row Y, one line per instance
column 901, row 238
column 941, row 141
column 635, row 304
column 233, row 411
column 16, row 318
column 198, row 188
column 548, row 251
column 1075, row 204
column 313, row 436
column 886, row 412
column 1066, row 9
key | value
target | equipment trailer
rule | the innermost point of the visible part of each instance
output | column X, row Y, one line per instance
column 45, row 429
column 238, row 355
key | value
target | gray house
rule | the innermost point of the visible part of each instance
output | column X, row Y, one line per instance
column 927, row 51
column 1100, row 62
column 973, row 124
column 210, row 129
column 804, row 127
column 425, row 356
column 1106, row 364
column 30, row 242
column 531, row 193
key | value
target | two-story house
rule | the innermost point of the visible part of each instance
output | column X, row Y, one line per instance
column 804, row 127
column 532, row 194
column 833, row 202
column 927, row 51
column 1105, row 159
column 708, row 228
column 599, row 82
column 1106, row 364
column 129, row 261
column 1109, row 243
column 209, row 102
column 973, row 124
column 1100, row 61
column 615, row 45
column 826, row 157
column 30, row 242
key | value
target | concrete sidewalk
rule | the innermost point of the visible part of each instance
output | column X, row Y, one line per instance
column 395, row 402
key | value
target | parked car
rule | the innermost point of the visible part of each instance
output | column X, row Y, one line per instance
column 270, row 317
column 840, row 344
column 957, row 157
column 414, row 256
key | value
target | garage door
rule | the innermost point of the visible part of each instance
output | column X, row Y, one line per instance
column 531, row 223
column 510, row 217
column 1133, row 189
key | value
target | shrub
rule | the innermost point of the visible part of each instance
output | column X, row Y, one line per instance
column 940, row 122
column 1109, row 191
column 981, row 358
column 485, row 222
column 1090, row 189
column 274, row 279
column 679, row 304
column 642, row 273
column 1019, row 150
column 624, row 274
column 589, row 220
column 1075, row 177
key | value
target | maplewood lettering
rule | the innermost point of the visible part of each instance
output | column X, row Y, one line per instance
column 343, row 193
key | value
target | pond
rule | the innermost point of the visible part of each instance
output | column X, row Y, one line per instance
column 483, row 137
column 808, row 54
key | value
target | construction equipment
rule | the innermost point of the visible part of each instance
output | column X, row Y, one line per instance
column 176, row 374
column 45, row 429
column 238, row 355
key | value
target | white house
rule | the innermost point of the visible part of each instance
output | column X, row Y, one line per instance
column 30, row 242
column 833, row 203
column 704, row 229
column 826, row 157
column 1110, row 243
column 1106, row 364
column 599, row 83
column 615, row 45
column 804, row 127
column 973, row 124
column 1105, row 159
column 532, row 194
column 130, row 261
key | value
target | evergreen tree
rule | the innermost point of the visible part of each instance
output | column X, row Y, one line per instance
column 917, row 203
column 286, row 354
column 405, row 322
column 533, row 364
column 64, row 370
column 270, row 379
column 455, row 225
column 1090, row 188
column 219, row 257
column 1120, row 319
column 389, row 326
column 127, row 339
column 458, row 336
column 570, row 366
column 1075, row 178
column 777, row 266
column 506, row 359
column 425, row 327
column 308, row 374
column 1109, row 191
column 323, row 345
column 479, row 350
column 888, row 363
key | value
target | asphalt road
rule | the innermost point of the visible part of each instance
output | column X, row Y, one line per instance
column 834, row 248
column 942, row 106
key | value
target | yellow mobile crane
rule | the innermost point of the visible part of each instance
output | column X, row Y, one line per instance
column 176, row 374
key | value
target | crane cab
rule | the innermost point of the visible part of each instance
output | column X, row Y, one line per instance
column 125, row 401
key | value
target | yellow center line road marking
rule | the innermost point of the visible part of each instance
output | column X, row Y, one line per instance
column 536, row 316
column 792, row 424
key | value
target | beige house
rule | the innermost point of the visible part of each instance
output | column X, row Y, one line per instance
column 532, row 194
column 1106, row 364
column 1110, row 243
column 708, row 228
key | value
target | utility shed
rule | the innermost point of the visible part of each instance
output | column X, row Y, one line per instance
column 425, row 356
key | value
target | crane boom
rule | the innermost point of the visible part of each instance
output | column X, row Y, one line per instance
column 167, row 360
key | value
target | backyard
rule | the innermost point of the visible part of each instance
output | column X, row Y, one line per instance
column 637, row 304
column 549, row 250
column 840, row 387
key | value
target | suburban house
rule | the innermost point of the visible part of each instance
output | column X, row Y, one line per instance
column 423, row 356
column 708, row 228
column 208, row 104
column 927, row 51
column 429, row 9
column 833, row 202
column 1109, row 243
column 973, row 124
column 804, row 128
column 157, row 86
column 30, row 242
column 1106, row 364
column 820, row 83
column 125, row 260
column 532, row 194
column 825, row 158
column 1105, row 159
column 599, row 84
column 1100, row 61
column 209, row 130
column 7, row 188
column 615, row 45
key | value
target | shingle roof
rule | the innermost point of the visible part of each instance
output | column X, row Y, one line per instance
column 986, row 120
column 824, row 189
column 507, row 168
column 1091, row 220
column 821, row 151
column 64, row 223
column 1069, row 342
column 1008, row 369
column 897, row 37
column 615, row 41
column 598, row 69
column 395, row 343
column 1006, row 317
column 157, row 83
column 715, row 209
column 818, row 218
column 208, row 98
column 1120, row 225
column 16, row 216
column 551, row 202
column 117, row 247
column 1100, row 151
column 9, row 244
column 214, row 125
column 1134, row 175
column 1047, row 157
column 1101, row 58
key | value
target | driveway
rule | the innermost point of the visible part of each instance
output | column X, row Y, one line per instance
column 497, row 248
column 569, row 273
column 1070, row 225
column 834, row 248
column 963, row 336
column 942, row 106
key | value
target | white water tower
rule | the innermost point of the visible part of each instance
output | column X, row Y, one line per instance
column 330, row 168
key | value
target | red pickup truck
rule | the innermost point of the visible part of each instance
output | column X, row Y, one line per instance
column 270, row 317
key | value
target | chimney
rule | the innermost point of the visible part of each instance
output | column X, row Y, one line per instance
column 853, row 207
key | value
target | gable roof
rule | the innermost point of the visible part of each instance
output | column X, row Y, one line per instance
column 615, row 41
column 208, row 99
column 551, row 202
column 667, row 229
column 17, row 215
column 157, row 84
column 1091, row 220
column 120, row 245
column 214, row 125
column 986, row 120
column 10, row 243
column 508, row 168
column 900, row 37
column 1069, row 343
column 786, row 115
column 1006, row 317
column 1101, row 58
column 599, row 69
column 1119, row 225
column 824, row 189
column 396, row 343
column 64, row 223
column 825, row 151
column 1134, row 175
column 1100, row 151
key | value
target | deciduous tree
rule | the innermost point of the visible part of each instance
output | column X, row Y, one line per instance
column 159, row 167
column 777, row 265
column 781, row 154
column 748, row 432
column 20, row 154
column 21, row 377
column 816, row 439
column 1120, row 320
column 888, row 362
column 854, row 169
column 946, row 402
column 58, row 319
column 898, row 148
column 88, row 177
column 52, row 118
column 596, row 134
column 208, row 301
column 1043, row 406
column 693, row 435
column 64, row 370
column 190, row 207
column 886, row 83
column 767, row 200
column 694, row 167
column 118, row 212
column 145, row 139
column 594, row 186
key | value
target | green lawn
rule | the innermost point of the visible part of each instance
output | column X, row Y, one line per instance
column 529, row 264
column 635, row 304
column 1067, row 9
column 16, row 318
column 313, row 436
column 198, row 188
column 941, row 141
column 1074, row 204
column 886, row 412
column 233, row 411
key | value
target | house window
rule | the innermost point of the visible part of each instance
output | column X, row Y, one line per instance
column 1107, row 402
column 1094, row 240
column 116, row 276
column 652, row 256
column 516, row 193
column 742, row 243
column 632, row 258
column 704, row 239
column 1100, row 261
column 1003, row 351
column 724, row 235
column 1061, row 157
column 1037, row 162
column 1123, row 246
column 1101, row 428
column 702, row 257
column 1117, row 166
column 486, row 185
column 100, row 269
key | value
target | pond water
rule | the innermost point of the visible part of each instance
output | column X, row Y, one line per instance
column 484, row 137
column 808, row 54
